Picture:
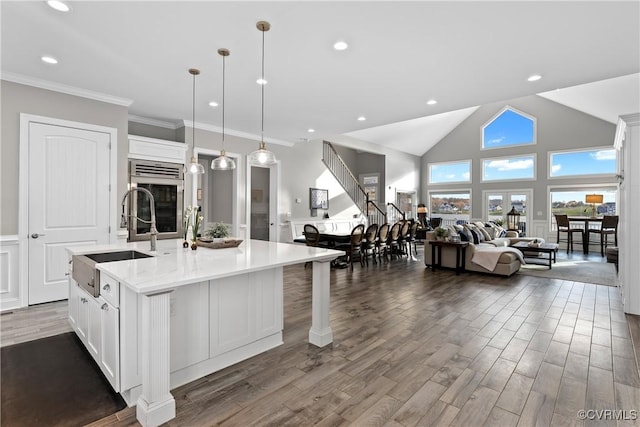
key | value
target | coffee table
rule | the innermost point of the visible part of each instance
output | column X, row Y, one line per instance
column 544, row 248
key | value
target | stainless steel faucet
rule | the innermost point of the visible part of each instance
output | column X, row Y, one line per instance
column 153, row 232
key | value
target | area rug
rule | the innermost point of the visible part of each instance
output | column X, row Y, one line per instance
column 54, row 382
column 600, row 273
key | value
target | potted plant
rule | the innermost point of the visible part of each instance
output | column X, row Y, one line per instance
column 218, row 231
column 442, row 233
column 197, row 220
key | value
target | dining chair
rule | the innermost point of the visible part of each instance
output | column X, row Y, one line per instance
column 402, row 238
column 563, row 225
column 369, row 243
column 353, row 247
column 608, row 226
column 411, row 238
column 435, row 222
column 381, row 240
column 393, row 239
column 311, row 238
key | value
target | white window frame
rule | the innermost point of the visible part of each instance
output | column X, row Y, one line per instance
column 507, row 193
column 578, row 150
column 450, row 191
column 495, row 116
column 430, row 165
column 535, row 167
column 578, row 187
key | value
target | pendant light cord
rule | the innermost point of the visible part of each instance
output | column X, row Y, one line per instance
column 193, row 118
column 263, row 85
column 223, row 104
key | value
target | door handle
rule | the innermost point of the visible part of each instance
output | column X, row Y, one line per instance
column 36, row 235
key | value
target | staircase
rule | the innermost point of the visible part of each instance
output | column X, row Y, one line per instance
column 341, row 172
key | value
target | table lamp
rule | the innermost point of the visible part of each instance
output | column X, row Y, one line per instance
column 593, row 199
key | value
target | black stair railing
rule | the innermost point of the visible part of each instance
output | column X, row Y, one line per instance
column 352, row 187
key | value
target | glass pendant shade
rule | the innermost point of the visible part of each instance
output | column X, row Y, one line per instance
column 194, row 167
column 223, row 162
column 262, row 156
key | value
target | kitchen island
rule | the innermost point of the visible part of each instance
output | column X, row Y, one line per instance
column 183, row 314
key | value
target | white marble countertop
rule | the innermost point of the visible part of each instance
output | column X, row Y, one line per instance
column 173, row 266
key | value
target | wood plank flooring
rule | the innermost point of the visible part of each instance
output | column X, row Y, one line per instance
column 412, row 347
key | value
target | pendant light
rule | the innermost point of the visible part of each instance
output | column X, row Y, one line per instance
column 223, row 162
column 194, row 167
column 262, row 156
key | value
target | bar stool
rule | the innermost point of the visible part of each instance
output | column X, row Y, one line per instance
column 609, row 226
column 564, row 226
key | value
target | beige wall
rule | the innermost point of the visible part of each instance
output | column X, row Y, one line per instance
column 17, row 98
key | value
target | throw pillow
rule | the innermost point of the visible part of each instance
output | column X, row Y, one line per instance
column 485, row 233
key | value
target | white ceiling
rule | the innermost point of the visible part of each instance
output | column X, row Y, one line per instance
column 401, row 54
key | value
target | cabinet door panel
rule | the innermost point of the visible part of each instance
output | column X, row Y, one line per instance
column 269, row 301
column 233, row 314
column 94, row 334
column 82, row 319
column 73, row 304
column 110, row 344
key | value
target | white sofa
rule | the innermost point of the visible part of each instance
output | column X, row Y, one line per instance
column 508, row 263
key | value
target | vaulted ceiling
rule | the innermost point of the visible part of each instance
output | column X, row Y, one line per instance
column 399, row 56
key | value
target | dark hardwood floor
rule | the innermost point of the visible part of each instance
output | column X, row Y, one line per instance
column 412, row 347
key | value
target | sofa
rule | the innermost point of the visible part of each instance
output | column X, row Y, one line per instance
column 508, row 262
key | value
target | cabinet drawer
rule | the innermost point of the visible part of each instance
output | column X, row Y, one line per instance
column 109, row 289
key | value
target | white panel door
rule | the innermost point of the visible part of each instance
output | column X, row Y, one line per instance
column 68, row 202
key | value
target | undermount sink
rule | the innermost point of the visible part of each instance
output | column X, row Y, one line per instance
column 117, row 256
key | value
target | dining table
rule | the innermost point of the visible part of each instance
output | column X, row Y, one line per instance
column 334, row 239
column 586, row 220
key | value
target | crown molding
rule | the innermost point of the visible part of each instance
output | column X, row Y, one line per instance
column 69, row 90
column 240, row 134
column 153, row 122
column 631, row 119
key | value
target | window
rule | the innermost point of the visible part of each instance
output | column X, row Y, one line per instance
column 442, row 173
column 509, row 168
column 451, row 206
column 597, row 161
column 571, row 201
column 509, row 128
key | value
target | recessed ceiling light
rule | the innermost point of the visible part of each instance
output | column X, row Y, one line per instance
column 534, row 78
column 49, row 60
column 340, row 45
column 261, row 81
column 58, row 5
column 310, row 130
column 213, row 104
column 362, row 118
column 432, row 102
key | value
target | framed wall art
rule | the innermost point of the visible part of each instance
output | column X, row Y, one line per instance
column 318, row 198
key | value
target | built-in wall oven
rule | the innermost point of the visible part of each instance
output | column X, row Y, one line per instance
column 166, row 182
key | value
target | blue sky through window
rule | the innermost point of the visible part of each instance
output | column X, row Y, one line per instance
column 450, row 172
column 588, row 162
column 507, row 130
column 508, row 168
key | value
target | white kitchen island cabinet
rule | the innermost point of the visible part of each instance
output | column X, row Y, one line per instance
column 184, row 314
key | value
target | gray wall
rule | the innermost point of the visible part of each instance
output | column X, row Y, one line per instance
column 141, row 129
column 16, row 99
column 558, row 128
column 301, row 165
